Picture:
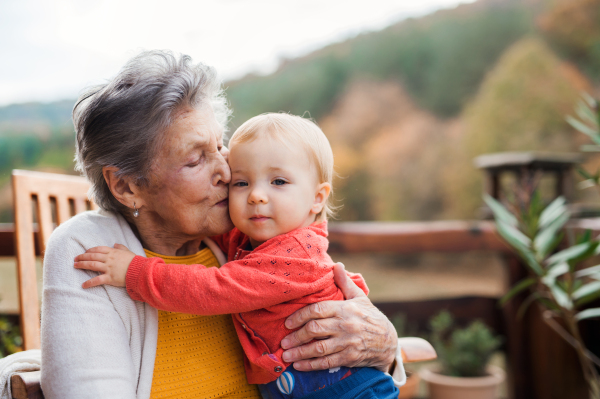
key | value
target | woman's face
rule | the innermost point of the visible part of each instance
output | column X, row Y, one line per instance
column 188, row 192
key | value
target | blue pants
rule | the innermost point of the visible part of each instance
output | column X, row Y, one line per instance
column 345, row 383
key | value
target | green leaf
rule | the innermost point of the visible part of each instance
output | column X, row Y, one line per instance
column 552, row 211
column 554, row 272
column 583, row 128
column 573, row 253
column 588, row 313
column 586, row 114
column 561, row 296
column 521, row 243
column 589, row 100
column 520, row 286
column 500, row 212
column 526, row 303
column 549, row 304
column 554, row 208
column 584, row 173
column 512, row 234
column 587, row 299
column 587, row 271
column 547, row 237
column 585, row 237
column 587, row 289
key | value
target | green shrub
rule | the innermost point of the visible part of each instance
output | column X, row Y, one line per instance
column 462, row 352
column 10, row 337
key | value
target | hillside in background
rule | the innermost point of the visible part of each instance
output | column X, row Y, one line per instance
column 406, row 108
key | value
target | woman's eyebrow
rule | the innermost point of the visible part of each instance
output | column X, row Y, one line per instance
column 196, row 145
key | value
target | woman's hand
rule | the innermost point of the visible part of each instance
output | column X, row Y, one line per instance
column 351, row 333
column 111, row 262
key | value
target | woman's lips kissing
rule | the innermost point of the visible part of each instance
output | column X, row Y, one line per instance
column 223, row 202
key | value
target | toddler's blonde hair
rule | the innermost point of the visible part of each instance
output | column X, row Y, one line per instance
column 294, row 131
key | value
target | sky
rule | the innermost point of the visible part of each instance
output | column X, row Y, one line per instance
column 52, row 49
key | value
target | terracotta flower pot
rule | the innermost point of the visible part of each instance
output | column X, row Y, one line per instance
column 445, row 387
column 409, row 390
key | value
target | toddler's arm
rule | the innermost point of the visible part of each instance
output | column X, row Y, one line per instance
column 112, row 262
column 237, row 286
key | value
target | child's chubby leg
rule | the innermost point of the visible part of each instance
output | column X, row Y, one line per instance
column 111, row 262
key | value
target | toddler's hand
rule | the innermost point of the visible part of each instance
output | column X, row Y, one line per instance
column 112, row 262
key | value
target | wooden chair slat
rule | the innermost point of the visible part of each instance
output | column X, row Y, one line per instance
column 44, row 219
column 28, row 297
column 63, row 210
column 79, row 205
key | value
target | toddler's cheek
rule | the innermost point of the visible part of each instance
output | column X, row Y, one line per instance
column 235, row 208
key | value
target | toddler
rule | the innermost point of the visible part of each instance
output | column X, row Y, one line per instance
column 282, row 169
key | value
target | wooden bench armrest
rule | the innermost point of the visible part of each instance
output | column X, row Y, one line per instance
column 26, row 385
column 415, row 349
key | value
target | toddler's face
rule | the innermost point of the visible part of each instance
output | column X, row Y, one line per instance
column 272, row 190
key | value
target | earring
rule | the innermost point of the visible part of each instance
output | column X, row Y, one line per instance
column 136, row 212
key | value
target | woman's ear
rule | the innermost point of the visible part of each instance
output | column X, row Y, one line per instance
column 323, row 191
column 122, row 188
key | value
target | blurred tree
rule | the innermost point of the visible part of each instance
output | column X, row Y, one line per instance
column 440, row 59
column 573, row 27
column 520, row 106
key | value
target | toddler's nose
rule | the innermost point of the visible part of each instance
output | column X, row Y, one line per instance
column 257, row 196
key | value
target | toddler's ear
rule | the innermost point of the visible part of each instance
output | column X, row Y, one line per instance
column 323, row 191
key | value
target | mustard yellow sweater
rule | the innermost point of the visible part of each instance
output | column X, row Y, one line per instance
column 198, row 356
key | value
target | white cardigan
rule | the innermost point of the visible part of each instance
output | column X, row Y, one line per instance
column 98, row 342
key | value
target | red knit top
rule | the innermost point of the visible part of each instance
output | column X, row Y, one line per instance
column 261, row 288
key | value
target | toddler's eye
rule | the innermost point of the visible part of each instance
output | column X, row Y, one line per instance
column 279, row 182
column 240, row 184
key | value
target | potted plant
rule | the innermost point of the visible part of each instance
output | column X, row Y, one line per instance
column 559, row 280
column 463, row 371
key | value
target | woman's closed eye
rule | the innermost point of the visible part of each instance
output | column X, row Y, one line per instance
column 194, row 163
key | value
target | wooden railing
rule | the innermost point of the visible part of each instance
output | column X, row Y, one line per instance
column 390, row 237
column 523, row 360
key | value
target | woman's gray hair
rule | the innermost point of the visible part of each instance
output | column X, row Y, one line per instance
column 121, row 123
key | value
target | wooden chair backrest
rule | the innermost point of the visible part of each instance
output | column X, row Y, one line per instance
column 66, row 196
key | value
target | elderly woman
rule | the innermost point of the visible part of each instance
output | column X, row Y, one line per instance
column 151, row 144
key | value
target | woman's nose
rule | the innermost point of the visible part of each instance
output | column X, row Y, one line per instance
column 222, row 172
column 225, row 153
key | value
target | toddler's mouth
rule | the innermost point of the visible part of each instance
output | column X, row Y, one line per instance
column 259, row 218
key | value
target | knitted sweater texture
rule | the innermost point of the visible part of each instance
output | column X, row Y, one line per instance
column 261, row 288
column 97, row 342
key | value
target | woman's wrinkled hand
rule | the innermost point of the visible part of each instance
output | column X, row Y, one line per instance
column 351, row 333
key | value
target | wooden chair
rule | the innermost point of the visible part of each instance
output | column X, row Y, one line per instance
column 53, row 199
